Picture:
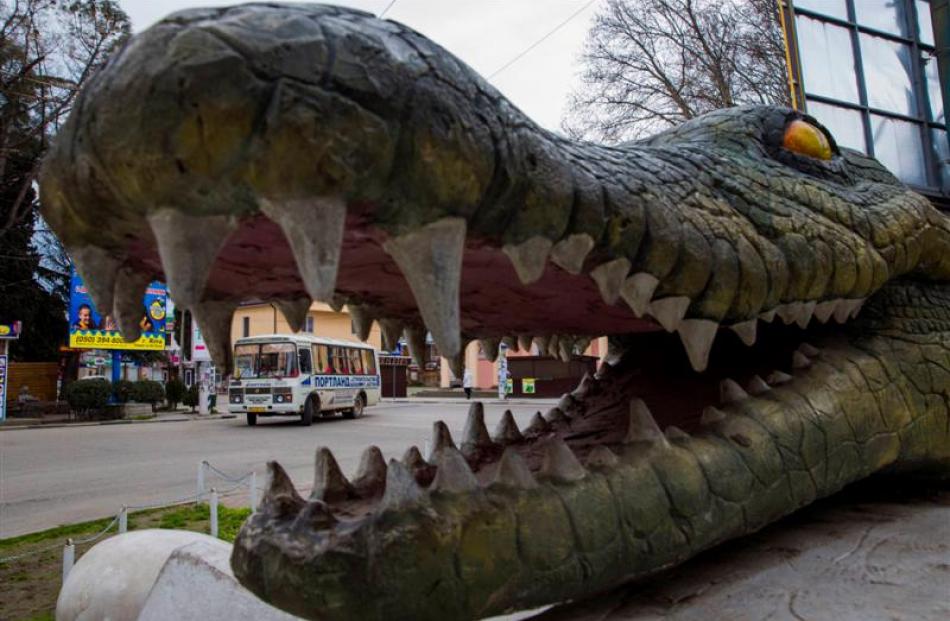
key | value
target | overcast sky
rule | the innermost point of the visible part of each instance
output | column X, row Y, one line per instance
column 486, row 34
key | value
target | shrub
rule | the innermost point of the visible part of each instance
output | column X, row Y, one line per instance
column 191, row 397
column 147, row 391
column 174, row 392
column 85, row 396
column 123, row 390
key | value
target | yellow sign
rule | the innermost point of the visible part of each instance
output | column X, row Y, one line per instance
column 111, row 339
column 527, row 385
column 5, row 330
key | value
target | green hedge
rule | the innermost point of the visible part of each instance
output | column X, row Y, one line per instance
column 191, row 397
column 174, row 392
column 84, row 396
column 124, row 390
column 147, row 391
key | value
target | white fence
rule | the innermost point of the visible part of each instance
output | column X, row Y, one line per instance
column 121, row 521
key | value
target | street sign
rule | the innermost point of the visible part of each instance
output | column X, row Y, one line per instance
column 199, row 349
column 3, row 388
column 527, row 385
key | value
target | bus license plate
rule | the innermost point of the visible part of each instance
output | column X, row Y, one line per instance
column 256, row 409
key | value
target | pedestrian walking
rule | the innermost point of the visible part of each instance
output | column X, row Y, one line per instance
column 467, row 383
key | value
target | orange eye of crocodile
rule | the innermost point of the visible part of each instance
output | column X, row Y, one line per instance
column 805, row 139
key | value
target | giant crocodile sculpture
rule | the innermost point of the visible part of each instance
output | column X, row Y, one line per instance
column 298, row 152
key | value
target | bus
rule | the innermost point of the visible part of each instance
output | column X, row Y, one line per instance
column 301, row 375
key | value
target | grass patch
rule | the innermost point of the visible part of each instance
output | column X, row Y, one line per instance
column 31, row 584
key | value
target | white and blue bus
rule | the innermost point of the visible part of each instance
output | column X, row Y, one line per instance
column 305, row 376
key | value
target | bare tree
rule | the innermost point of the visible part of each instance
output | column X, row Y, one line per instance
column 651, row 64
column 48, row 49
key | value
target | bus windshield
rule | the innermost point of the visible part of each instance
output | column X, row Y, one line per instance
column 265, row 360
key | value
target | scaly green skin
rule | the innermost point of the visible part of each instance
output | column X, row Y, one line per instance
column 213, row 114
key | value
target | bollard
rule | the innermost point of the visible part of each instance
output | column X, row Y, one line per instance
column 214, row 512
column 201, row 481
column 253, row 492
column 123, row 519
column 69, row 557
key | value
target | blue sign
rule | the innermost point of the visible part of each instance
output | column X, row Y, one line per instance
column 3, row 388
column 90, row 329
column 346, row 381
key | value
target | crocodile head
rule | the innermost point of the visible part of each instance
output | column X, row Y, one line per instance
column 306, row 152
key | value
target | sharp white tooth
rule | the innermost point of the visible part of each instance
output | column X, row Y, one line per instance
column 768, row 316
column 490, row 348
column 776, row 378
column 757, row 386
column 800, row 360
column 314, row 230
column 602, row 458
column 128, row 306
column 697, row 336
column 565, row 348
column 510, row 342
column 788, row 313
column 529, row 258
column 859, row 304
column 329, row 484
column 524, row 342
column 441, row 439
column 391, row 330
column 570, row 252
column 824, row 310
column 416, row 339
column 711, row 416
column 371, row 474
column 280, row 498
column 542, row 343
column 844, row 309
column 295, row 312
column 559, row 463
column 454, row 474
column 214, row 320
column 615, row 352
column 457, row 364
column 675, row 434
column 805, row 311
column 402, row 491
column 430, row 258
column 362, row 320
column 610, row 278
column 731, row 392
column 513, row 471
column 336, row 302
column 637, row 291
column 584, row 386
column 475, row 435
column 413, row 459
column 98, row 269
column 669, row 312
column 746, row 330
column 538, row 424
column 581, row 345
column 188, row 247
column 553, row 348
column 809, row 350
column 641, row 426
column 507, row 432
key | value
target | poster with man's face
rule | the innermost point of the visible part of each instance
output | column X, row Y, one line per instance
column 88, row 328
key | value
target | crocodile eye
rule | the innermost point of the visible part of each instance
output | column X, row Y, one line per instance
column 805, row 139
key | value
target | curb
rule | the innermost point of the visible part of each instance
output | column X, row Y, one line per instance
column 179, row 419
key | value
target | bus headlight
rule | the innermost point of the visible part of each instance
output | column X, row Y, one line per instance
column 283, row 395
column 236, row 396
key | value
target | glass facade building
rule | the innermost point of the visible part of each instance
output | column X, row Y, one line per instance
column 868, row 70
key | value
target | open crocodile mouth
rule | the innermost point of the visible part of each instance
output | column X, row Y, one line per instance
column 304, row 152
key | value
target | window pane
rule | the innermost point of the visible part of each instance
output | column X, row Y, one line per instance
column 834, row 8
column 932, row 78
column 898, row 146
column 369, row 362
column 305, row 361
column 321, row 355
column 925, row 26
column 356, row 365
column 827, row 60
column 887, row 15
column 845, row 125
column 887, row 75
column 941, row 142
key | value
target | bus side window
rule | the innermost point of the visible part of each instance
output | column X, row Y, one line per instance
column 369, row 361
column 322, row 357
column 356, row 366
column 305, row 367
column 339, row 361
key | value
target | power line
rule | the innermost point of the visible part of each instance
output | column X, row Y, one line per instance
column 386, row 10
column 541, row 40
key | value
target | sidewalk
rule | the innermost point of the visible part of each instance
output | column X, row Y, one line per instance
column 53, row 422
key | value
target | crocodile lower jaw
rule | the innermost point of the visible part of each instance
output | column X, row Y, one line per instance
column 597, row 492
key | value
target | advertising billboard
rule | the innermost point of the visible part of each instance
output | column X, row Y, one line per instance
column 90, row 329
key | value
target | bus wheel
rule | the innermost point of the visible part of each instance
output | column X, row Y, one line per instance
column 357, row 409
column 251, row 419
column 309, row 408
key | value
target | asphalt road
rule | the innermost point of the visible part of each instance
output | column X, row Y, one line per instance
column 63, row 475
